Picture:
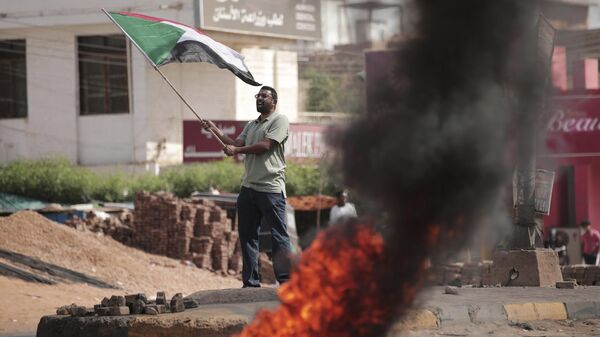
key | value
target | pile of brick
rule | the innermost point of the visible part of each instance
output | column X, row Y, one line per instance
column 479, row 274
column 135, row 304
column 586, row 275
column 458, row 274
column 192, row 229
column 119, row 227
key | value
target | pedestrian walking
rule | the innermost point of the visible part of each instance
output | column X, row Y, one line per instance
column 590, row 239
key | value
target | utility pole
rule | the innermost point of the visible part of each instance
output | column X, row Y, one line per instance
column 530, row 101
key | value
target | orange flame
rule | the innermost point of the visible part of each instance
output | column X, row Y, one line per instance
column 333, row 291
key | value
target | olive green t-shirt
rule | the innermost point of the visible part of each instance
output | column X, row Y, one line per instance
column 265, row 172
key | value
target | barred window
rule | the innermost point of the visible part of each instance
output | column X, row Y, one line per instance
column 13, row 79
column 103, row 75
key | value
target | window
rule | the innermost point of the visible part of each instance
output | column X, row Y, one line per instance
column 13, row 79
column 103, row 81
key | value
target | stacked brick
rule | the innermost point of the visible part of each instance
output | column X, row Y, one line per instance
column 586, row 275
column 193, row 229
column 118, row 227
column 458, row 274
column 135, row 304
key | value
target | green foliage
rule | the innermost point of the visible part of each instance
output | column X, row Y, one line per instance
column 57, row 180
column 304, row 180
column 326, row 93
column 54, row 180
column 321, row 92
column 224, row 175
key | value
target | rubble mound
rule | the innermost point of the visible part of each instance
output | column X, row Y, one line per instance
column 100, row 257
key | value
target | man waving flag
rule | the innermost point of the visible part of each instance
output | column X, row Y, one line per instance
column 164, row 41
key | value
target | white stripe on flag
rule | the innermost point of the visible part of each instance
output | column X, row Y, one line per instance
column 227, row 54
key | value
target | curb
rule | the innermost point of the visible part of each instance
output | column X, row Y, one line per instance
column 446, row 315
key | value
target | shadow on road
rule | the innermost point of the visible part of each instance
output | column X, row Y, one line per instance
column 47, row 268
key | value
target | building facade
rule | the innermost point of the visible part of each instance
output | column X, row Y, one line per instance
column 72, row 85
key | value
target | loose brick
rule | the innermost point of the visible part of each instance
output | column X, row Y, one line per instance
column 177, row 304
column 565, row 285
column 102, row 311
column 119, row 311
column 117, row 301
column 151, row 309
column 161, row 297
column 78, row 311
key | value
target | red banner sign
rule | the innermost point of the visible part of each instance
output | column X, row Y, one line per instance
column 305, row 140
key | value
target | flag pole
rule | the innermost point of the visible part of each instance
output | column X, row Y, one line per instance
column 162, row 75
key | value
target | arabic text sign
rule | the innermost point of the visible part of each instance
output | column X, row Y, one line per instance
column 286, row 18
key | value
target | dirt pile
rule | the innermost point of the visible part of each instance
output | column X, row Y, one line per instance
column 32, row 235
column 74, row 261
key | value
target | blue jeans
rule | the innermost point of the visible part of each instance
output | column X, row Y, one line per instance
column 254, row 207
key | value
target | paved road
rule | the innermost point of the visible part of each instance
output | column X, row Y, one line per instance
column 569, row 328
column 468, row 296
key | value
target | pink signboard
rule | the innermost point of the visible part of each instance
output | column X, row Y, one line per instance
column 305, row 141
column 573, row 126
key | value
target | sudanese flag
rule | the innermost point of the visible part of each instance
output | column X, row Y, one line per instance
column 165, row 41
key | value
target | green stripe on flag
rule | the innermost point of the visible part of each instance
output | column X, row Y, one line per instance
column 154, row 38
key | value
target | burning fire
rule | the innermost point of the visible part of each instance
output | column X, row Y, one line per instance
column 335, row 289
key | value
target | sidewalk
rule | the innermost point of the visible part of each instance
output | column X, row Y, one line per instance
column 522, row 304
column 224, row 312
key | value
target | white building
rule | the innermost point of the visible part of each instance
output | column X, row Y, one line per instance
column 60, row 96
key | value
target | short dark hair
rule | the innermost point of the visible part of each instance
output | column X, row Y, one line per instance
column 273, row 92
column 340, row 193
column 585, row 223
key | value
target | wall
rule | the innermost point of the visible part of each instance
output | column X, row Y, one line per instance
column 152, row 131
column 50, row 127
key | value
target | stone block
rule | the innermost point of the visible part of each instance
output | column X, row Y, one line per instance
column 78, row 311
column 136, row 307
column 119, row 311
column 521, row 268
column 452, row 314
column 102, row 311
column 140, row 296
column 151, row 309
column 161, row 297
column 582, row 310
column 155, row 309
column 487, row 313
column 64, row 310
column 521, row 312
column 189, row 303
column 117, row 301
column 565, row 285
column 104, row 302
column 177, row 304
column 591, row 274
column 415, row 319
column 265, row 265
column 551, row 311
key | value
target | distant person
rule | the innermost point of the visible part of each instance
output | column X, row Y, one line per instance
column 342, row 210
column 590, row 240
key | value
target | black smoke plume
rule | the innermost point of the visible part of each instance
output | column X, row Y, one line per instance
column 437, row 152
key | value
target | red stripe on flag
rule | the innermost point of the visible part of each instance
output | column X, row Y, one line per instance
column 155, row 19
